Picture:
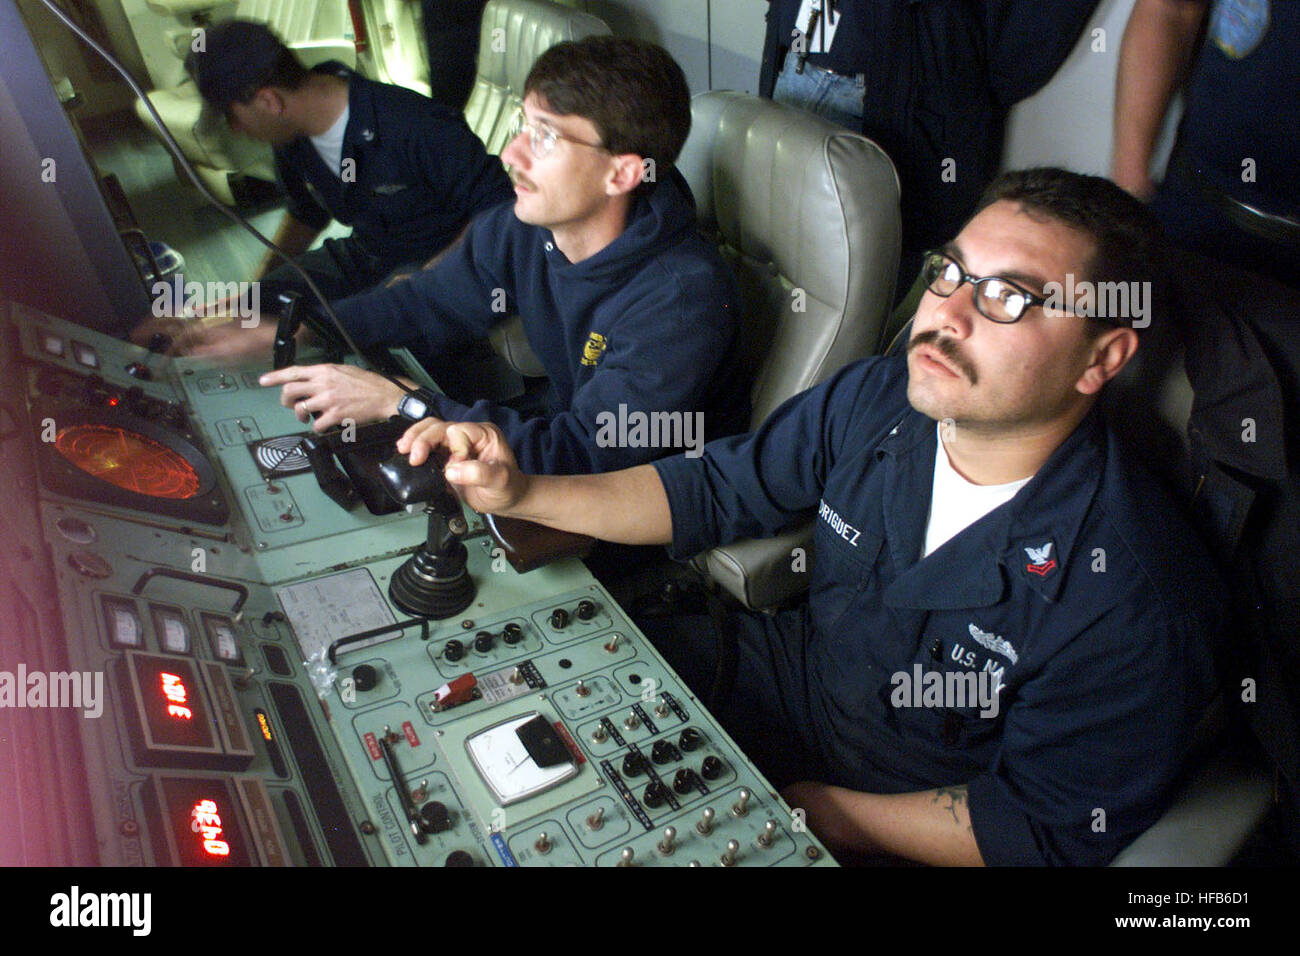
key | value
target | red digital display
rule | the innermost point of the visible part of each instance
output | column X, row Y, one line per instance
column 174, row 691
column 172, row 704
column 205, row 820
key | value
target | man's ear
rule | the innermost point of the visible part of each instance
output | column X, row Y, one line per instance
column 629, row 168
column 1108, row 354
column 269, row 100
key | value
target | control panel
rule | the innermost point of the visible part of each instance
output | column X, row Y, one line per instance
column 267, row 702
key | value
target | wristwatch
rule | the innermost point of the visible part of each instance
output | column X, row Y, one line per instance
column 416, row 405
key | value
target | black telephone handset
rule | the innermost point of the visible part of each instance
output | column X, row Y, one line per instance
column 347, row 464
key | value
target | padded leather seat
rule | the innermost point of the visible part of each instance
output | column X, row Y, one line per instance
column 806, row 214
column 513, row 35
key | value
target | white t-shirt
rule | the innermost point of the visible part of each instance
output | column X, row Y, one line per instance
column 330, row 143
column 956, row 503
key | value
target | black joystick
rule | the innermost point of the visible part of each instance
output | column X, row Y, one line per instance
column 433, row 582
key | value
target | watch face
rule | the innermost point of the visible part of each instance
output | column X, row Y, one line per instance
column 413, row 407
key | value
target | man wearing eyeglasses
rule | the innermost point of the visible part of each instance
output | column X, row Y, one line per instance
column 629, row 309
column 1007, row 639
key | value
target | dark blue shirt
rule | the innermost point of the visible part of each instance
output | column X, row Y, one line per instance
column 416, row 173
column 1241, row 127
column 1086, row 598
column 644, row 326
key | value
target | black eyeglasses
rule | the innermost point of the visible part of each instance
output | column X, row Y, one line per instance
column 997, row 299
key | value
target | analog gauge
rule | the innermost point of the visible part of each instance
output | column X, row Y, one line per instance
column 221, row 635
column 173, row 635
column 123, row 623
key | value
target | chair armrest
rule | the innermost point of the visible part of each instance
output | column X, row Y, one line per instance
column 1214, row 813
column 762, row 573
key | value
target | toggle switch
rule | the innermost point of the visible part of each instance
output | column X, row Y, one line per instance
column 669, row 842
column 705, row 824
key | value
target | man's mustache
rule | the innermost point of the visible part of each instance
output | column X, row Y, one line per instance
column 948, row 349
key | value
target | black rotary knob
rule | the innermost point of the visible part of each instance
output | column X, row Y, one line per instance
column 559, row 619
column 512, row 633
column 364, row 677
column 483, row 641
column 664, row 752
column 585, row 610
column 685, row 780
column 434, row 817
column 459, row 858
column 655, row 794
column 690, row 739
column 453, row 650
column 712, row 768
column 633, row 764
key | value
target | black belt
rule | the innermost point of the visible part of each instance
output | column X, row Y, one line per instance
column 847, row 76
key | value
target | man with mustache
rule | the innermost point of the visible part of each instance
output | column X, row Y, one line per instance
column 976, row 521
column 624, row 302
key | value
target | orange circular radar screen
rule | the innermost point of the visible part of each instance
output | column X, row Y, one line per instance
column 128, row 460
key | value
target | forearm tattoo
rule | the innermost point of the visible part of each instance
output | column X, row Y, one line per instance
column 955, row 797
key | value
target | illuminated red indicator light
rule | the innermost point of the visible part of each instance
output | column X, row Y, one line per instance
column 114, row 401
column 205, row 820
column 174, row 690
column 128, row 460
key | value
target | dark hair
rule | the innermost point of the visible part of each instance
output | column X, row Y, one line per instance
column 632, row 91
column 1125, row 233
column 240, row 57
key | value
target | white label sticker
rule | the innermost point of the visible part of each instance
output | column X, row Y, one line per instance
column 324, row 609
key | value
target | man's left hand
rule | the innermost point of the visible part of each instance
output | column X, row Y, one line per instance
column 334, row 394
